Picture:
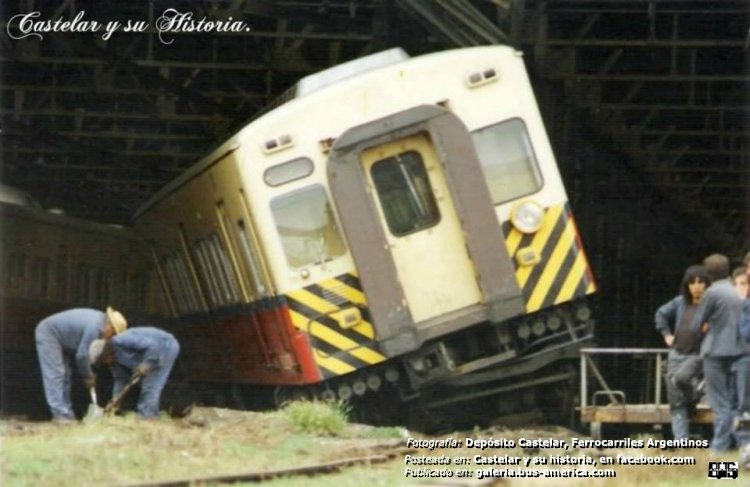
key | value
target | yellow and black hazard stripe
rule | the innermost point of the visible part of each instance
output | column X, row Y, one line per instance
column 337, row 350
column 563, row 273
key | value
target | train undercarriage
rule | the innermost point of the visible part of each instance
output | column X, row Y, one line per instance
column 520, row 369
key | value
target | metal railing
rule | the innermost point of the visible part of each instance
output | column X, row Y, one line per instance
column 618, row 396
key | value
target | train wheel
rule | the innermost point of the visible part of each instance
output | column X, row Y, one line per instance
column 282, row 395
column 285, row 394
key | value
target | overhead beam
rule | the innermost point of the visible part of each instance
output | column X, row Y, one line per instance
column 658, row 106
column 114, row 115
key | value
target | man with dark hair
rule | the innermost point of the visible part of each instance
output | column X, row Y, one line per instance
column 721, row 308
column 673, row 320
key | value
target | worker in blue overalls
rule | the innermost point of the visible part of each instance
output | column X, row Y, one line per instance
column 69, row 334
column 146, row 353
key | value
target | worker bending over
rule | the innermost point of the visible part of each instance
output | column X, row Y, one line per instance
column 142, row 352
column 69, row 334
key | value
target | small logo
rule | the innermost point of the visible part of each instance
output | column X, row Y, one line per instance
column 723, row 470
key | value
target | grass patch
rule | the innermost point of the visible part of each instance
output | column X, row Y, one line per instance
column 318, row 418
column 387, row 433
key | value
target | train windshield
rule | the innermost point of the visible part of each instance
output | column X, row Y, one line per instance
column 304, row 220
column 507, row 159
column 405, row 193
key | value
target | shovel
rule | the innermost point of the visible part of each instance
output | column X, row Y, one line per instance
column 95, row 411
column 114, row 404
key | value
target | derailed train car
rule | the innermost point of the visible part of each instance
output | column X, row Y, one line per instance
column 393, row 221
column 51, row 262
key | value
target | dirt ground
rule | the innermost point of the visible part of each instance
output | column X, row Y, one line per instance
column 212, row 441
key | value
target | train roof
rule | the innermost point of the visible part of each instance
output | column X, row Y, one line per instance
column 15, row 196
column 305, row 87
column 317, row 81
column 45, row 216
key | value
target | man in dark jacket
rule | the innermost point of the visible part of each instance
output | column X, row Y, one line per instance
column 721, row 308
column 673, row 320
column 65, row 334
column 145, row 352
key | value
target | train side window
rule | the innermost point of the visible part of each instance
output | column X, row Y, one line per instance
column 175, row 284
column 103, row 286
column 82, row 283
column 405, row 193
column 252, row 258
column 204, row 263
column 61, row 278
column 178, row 278
column 40, row 276
column 138, row 289
column 15, row 272
column 222, row 266
column 287, row 172
column 305, row 222
column 183, row 278
column 508, row 161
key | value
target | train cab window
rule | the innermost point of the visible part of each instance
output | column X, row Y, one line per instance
column 405, row 193
column 508, row 162
column 287, row 172
column 305, row 222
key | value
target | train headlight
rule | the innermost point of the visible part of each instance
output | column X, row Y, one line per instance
column 527, row 216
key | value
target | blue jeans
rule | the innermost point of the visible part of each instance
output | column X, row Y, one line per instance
column 718, row 373
column 682, row 371
column 56, row 373
column 741, row 383
column 153, row 383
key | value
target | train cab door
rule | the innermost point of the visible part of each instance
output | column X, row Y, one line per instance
column 419, row 220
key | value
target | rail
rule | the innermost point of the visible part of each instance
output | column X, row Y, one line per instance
column 386, row 452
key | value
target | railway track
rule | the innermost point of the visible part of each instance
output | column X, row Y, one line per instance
column 386, row 452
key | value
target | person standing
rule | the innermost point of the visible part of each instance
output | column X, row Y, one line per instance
column 721, row 308
column 143, row 352
column 741, row 367
column 673, row 320
column 69, row 334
